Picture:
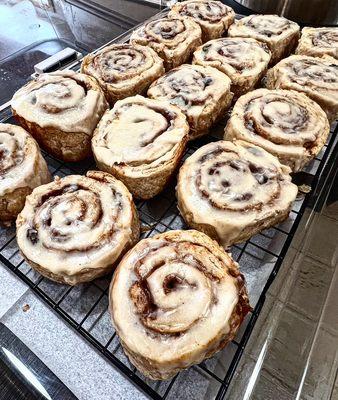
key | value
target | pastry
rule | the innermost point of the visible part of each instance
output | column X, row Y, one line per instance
column 233, row 190
column 76, row 229
column 61, row 110
column 285, row 123
column 173, row 39
column 141, row 141
column 202, row 93
column 212, row 16
column 316, row 77
column 280, row 34
column 318, row 42
column 176, row 299
column 22, row 168
column 123, row 70
column 243, row 60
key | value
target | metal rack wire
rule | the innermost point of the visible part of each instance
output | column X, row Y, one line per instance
column 85, row 307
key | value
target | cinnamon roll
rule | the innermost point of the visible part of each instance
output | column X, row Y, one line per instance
column 213, row 16
column 285, row 123
column 61, row 110
column 318, row 42
column 316, row 77
column 22, row 168
column 278, row 33
column 176, row 299
column 243, row 60
column 233, row 190
column 173, row 39
column 123, row 70
column 75, row 229
column 202, row 93
column 141, row 142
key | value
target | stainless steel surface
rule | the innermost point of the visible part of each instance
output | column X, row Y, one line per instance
column 308, row 12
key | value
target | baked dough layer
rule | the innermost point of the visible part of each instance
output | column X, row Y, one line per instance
column 141, row 142
column 314, row 76
column 123, row 70
column 173, row 39
column 278, row 33
column 318, row 42
column 176, row 299
column 76, row 228
column 285, row 123
column 61, row 110
column 22, row 168
column 202, row 93
column 243, row 60
column 212, row 16
column 233, row 190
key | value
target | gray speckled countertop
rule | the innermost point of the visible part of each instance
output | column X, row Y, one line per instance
column 87, row 374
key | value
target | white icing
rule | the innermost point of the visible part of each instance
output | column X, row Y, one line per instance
column 268, row 28
column 136, row 133
column 195, row 89
column 233, row 185
column 21, row 163
column 286, row 123
column 60, row 100
column 239, row 58
column 198, row 307
column 85, row 227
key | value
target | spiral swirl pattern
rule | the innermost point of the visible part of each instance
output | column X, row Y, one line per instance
column 286, row 123
column 232, row 190
column 61, row 110
column 243, row 60
column 176, row 299
column 213, row 16
column 75, row 228
column 318, row 42
column 173, row 39
column 202, row 93
column 141, row 141
column 316, row 77
column 123, row 70
column 280, row 34
column 22, row 168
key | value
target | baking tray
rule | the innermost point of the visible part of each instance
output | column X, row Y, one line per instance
column 85, row 307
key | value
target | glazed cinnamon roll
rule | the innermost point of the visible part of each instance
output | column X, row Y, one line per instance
column 202, row 93
column 213, row 16
column 61, row 111
column 233, row 190
column 173, row 39
column 141, row 142
column 123, row 70
column 75, row 229
column 176, row 299
column 243, row 60
column 318, row 42
column 280, row 34
column 316, row 77
column 285, row 123
column 22, row 168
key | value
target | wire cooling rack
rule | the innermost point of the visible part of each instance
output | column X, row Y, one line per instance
column 85, row 307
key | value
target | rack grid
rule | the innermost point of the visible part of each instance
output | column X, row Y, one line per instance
column 84, row 307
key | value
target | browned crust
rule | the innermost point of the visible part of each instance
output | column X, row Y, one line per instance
column 67, row 146
column 12, row 203
column 113, row 94
column 246, row 233
column 152, row 369
column 154, row 179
